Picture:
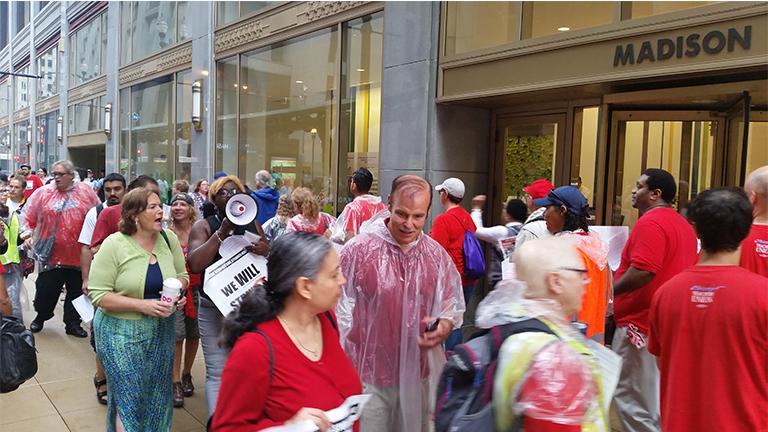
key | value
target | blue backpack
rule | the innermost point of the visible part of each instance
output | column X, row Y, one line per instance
column 474, row 259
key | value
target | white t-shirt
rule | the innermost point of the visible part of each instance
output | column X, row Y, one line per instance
column 86, row 233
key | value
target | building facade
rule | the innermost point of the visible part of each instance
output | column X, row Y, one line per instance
column 496, row 93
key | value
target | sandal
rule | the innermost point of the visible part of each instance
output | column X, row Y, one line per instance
column 186, row 385
column 101, row 395
column 178, row 395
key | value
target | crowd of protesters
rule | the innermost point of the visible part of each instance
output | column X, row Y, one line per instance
column 369, row 302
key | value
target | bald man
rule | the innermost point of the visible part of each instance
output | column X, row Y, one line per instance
column 529, row 362
column 402, row 299
column 754, row 249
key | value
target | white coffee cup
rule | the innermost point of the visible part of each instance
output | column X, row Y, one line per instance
column 171, row 291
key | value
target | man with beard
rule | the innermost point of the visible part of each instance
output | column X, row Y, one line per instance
column 114, row 189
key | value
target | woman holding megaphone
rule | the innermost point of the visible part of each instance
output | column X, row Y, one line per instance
column 204, row 241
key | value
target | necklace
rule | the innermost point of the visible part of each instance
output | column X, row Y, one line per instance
column 293, row 337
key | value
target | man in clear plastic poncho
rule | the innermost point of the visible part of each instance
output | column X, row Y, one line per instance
column 544, row 381
column 399, row 282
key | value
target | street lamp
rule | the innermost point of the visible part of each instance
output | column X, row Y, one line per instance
column 197, row 104
column 108, row 119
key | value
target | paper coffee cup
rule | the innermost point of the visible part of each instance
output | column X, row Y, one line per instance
column 171, row 291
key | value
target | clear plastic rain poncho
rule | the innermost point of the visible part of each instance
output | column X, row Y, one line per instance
column 388, row 293
column 560, row 384
column 57, row 218
column 360, row 210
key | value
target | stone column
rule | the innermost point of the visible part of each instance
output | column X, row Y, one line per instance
column 419, row 136
column 112, row 142
column 202, row 16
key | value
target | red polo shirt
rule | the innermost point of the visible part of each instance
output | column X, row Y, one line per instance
column 107, row 224
column 754, row 250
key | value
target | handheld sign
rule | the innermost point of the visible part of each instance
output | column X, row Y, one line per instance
column 228, row 279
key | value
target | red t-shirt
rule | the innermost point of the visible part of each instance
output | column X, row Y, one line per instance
column 662, row 242
column 448, row 230
column 107, row 224
column 33, row 182
column 754, row 250
column 248, row 402
column 709, row 328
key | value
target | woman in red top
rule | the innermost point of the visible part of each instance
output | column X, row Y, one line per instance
column 287, row 364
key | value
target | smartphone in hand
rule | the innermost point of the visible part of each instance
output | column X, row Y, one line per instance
column 432, row 326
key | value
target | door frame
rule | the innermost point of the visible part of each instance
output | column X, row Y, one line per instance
column 561, row 165
column 616, row 145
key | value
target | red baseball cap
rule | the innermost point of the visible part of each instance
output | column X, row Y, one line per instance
column 539, row 188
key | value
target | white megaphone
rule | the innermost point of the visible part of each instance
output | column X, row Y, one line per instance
column 241, row 209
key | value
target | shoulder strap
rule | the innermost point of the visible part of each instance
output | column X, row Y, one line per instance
column 209, row 425
column 99, row 208
column 500, row 333
column 459, row 220
column 329, row 315
column 165, row 237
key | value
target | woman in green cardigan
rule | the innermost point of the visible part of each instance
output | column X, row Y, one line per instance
column 135, row 330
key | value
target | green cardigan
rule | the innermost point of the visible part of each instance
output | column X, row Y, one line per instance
column 120, row 267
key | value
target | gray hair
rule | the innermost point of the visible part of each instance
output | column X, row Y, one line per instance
column 263, row 178
column 66, row 164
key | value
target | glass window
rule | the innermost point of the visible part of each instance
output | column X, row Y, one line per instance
column 5, row 103
column 184, row 157
column 529, row 154
column 86, row 46
column 684, row 148
column 21, row 9
column 23, row 141
column 125, row 120
column 228, row 11
column 183, row 21
column 287, row 113
column 360, row 115
column 226, row 116
column 548, row 18
column 584, row 157
column 126, row 19
column 84, row 116
column 22, row 89
column 640, row 9
column 3, row 19
column 149, row 27
column 46, row 139
column 5, row 147
column 152, row 132
column 476, row 25
column 47, row 67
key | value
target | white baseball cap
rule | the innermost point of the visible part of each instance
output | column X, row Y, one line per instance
column 453, row 186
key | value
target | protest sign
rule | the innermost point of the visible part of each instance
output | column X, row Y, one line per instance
column 228, row 279
column 342, row 418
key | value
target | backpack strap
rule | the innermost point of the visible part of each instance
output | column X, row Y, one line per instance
column 329, row 315
column 459, row 220
column 99, row 208
column 500, row 333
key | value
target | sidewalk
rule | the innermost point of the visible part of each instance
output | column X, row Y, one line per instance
column 62, row 397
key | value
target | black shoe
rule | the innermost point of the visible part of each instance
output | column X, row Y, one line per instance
column 178, row 395
column 35, row 326
column 76, row 331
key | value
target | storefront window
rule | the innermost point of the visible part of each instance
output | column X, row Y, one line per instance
column 225, row 153
column 5, row 147
column 88, row 50
column 184, row 157
column 287, row 113
column 548, row 18
column 640, row 9
column 228, row 11
column 23, row 141
column 471, row 26
column 22, row 90
column 360, row 115
column 47, row 68
column 153, row 139
column 149, row 27
column 47, row 143
column 84, row 116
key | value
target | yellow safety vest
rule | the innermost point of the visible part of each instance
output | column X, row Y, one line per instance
column 513, row 374
column 11, row 233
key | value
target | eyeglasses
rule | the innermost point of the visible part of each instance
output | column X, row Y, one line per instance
column 59, row 174
column 227, row 192
column 577, row 270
